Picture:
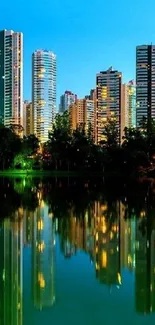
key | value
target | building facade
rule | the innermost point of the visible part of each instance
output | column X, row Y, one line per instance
column 43, row 92
column 108, row 100
column 128, row 111
column 78, row 114
column 82, row 114
column 90, row 106
column 132, row 104
column 28, row 118
column 67, row 99
column 145, row 82
column 125, row 108
column 11, row 78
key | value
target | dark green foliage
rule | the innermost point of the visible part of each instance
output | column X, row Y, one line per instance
column 111, row 134
column 68, row 150
column 10, row 145
column 71, row 150
column 15, row 151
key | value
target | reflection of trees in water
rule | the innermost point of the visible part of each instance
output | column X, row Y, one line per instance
column 75, row 196
column 9, row 199
column 15, row 194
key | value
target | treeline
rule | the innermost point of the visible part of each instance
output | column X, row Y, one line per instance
column 77, row 151
column 68, row 150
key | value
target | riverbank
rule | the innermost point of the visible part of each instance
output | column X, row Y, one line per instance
column 46, row 173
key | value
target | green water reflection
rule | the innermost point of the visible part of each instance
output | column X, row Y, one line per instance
column 76, row 251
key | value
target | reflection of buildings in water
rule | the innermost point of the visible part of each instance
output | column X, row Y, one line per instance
column 145, row 269
column 77, row 233
column 68, row 248
column 89, row 236
column 27, row 227
column 107, row 245
column 43, row 257
column 11, row 271
column 127, row 240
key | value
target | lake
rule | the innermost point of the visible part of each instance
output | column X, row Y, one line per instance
column 76, row 251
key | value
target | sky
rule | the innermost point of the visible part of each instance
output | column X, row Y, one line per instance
column 88, row 36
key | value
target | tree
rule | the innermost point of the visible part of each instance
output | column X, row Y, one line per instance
column 147, row 125
column 90, row 132
column 59, row 142
column 111, row 134
column 134, row 139
column 10, row 145
column 141, row 139
column 23, row 159
column 81, row 147
column 22, row 162
column 135, row 148
column 17, row 129
column 148, row 128
column 30, row 145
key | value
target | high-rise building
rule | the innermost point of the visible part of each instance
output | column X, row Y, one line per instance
column 43, row 92
column 124, row 111
column 90, row 113
column 67, row 99
column 128, row 111
column 82, row 114
column 28, row 118
column 91, row 95
column 90, row 107
column 77, row 113
column 145, row 82
column 11, row 77
column 132, row 104
column 108, row 100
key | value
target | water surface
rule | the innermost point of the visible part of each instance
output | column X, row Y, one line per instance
column 75, row 253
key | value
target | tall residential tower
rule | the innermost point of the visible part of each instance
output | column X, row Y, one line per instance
column 67, row 99
column 129, row 105
column 145, row 82
column 43, row 92
column 28, row 117
column 11, row 77
column 108, row 100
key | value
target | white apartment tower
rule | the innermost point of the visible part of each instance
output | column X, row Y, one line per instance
column 43, row 92
column 11, row 78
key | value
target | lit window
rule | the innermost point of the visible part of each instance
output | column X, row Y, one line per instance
column 104, row 259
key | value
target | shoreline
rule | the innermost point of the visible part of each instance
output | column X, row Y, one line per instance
column 35, row 173
column 81, row 174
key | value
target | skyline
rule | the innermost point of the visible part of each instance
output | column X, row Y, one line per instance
column 80, row 38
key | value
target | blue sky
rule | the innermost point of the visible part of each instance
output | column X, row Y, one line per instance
column 87, row 35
